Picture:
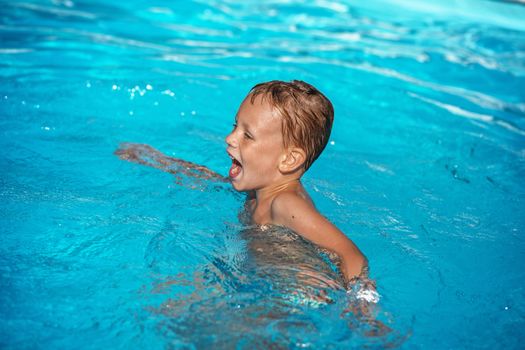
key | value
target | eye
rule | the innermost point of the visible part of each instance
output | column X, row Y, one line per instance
column 248, row 136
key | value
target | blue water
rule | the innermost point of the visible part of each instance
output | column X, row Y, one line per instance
column 424, row 172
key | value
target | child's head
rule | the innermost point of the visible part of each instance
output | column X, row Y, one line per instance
column 280, row 129
column 307, row 115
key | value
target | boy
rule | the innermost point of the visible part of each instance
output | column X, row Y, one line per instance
column 280, row 130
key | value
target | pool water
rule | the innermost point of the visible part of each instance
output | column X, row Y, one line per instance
column 424, row 171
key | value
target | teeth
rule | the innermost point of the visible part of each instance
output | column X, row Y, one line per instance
column 234, row 159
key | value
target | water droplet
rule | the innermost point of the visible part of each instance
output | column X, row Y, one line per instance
column 88, row 84
column 332, row 143
column 182, row 114
column 149, row 87
column 193, row 112
column 130, row 112
column 114, row 87
column 5, row 97
column 168, row 92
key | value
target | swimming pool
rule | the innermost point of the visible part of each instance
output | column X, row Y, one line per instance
column 424, row 172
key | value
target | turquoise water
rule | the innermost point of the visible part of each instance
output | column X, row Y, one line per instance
column 424, row 172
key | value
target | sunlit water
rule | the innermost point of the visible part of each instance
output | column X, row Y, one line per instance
column 424, row 172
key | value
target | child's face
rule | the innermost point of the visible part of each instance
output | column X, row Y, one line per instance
column 255, row 146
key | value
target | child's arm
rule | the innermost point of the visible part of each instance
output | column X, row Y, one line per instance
column 294, row 212
column 147, row 155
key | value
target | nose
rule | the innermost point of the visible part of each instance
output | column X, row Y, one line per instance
column 231, row 140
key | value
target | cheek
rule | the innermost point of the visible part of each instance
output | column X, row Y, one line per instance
column 266, row 157
column 262, row 154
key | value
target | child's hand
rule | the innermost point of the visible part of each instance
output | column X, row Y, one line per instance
column 363, row 301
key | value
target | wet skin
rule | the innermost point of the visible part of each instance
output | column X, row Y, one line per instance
column 262, row 165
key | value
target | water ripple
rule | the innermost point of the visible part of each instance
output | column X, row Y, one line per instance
column 471, row 115
column 409, row 187
column 55, row 10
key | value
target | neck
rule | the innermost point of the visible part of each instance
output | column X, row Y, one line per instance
column 270, row 191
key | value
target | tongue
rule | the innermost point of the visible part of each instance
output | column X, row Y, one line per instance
column 235, row 170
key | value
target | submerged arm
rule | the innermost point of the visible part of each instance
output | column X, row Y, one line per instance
column 147, row 155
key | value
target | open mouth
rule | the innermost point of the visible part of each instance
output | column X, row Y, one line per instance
column 235, row 168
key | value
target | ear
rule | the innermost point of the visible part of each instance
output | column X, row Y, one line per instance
column 292, row 160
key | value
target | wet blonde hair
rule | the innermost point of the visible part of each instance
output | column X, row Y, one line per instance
column 307, row 115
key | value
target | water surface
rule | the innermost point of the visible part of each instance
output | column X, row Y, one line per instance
column 424, row 171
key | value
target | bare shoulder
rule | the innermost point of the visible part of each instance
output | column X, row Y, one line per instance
column 297, row 212
column 290, row 206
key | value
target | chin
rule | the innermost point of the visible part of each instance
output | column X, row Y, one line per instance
column 239, row 187
column 236, row 185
